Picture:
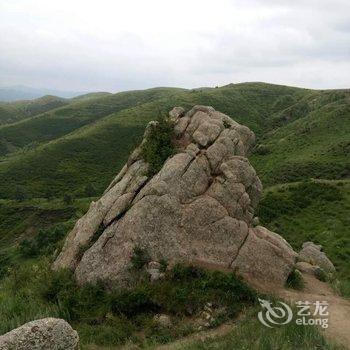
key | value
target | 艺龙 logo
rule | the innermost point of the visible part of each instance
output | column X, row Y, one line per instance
column 308, row 313
column 274, row 315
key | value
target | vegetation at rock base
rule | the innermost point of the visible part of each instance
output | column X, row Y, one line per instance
column 295, row 280
column 321, row 275
column 139, row 258
column 112, row 316
column 249, row 333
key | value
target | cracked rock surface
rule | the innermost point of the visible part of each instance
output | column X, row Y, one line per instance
column 198, row 208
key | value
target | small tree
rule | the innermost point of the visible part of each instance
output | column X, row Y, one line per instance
column 90, row 190
column 159, row 144
column 20, row 194
column 49, row 194
column 68, row 199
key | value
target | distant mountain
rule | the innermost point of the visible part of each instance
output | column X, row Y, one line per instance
column 19, row 92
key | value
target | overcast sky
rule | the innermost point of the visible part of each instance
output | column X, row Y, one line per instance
column 115, row 45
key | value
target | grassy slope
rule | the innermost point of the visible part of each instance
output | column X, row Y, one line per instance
column 315, row 211
column 315, row 144
column 11, row 112
column 249, row 333
column 69, row 162
column 30, row 132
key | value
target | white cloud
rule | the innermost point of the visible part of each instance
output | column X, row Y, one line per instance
column 116, row 45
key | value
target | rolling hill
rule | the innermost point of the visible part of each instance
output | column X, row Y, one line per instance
column 11, row 112
column 77, row 143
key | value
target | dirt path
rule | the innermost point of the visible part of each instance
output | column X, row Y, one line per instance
column 339, row 309
column 202, row 336
column 338, row 330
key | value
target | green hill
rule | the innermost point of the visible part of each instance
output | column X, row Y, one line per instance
column 58, row 122
column 309, row 139
column 11, row 112
column 69, row 162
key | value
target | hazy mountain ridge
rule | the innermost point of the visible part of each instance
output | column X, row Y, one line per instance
column 20, row 92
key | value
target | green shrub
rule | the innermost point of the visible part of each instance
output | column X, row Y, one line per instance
column 5, row 263
column 68, row 199
column 163, row 265
column 44, row 243
column 139, row 258
column 158, row 146
column 295, row 280
column 262, row 149
column 226, row 124
column 321, row 275
column 90, row 190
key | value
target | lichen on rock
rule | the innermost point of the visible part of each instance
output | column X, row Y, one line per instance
column 198, row 208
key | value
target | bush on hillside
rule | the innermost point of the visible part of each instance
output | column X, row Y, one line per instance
column 5, row 263
column 139, row 258
column 321, row 275
column 158, row 146
column 68, row 199
column 295, row 280
column 262, row 149
column 44, row 243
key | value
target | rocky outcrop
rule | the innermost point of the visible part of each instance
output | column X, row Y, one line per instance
column 312, row 254
column 44, row 334
column 198, row 208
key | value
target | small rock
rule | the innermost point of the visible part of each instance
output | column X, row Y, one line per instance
column 305, row 267
column 176, row 113
column 155, row 274
column 208, row 309
column 206, row 315
column 154, row 265
column 256, row 221
column 312, row 254
column 163, row 320
column 44, row 334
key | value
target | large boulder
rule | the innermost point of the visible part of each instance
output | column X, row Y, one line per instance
column 198, row 209
column 312, row 253
column 44, row 334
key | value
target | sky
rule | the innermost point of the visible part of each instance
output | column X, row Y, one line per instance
column 113, row 45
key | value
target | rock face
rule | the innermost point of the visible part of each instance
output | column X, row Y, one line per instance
column 198, row 208
column 312, row 254
column 44, row 334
